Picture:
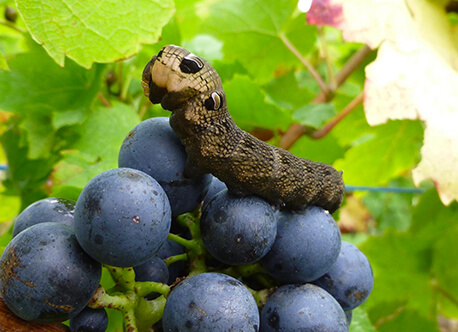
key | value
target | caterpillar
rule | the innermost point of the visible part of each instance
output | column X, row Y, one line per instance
column 191, row 89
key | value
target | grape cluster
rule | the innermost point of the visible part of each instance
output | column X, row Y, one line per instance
column 185, row 253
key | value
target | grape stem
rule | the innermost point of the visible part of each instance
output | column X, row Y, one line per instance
column 188, row 244
column 144, row 288
column 123, row 277
column 101, row 299
column 173, row 259
column 197, row 251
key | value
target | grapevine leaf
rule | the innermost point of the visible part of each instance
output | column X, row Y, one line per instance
column 312, row 149
column 314, row 115
column 36, row 84
column 445, row 251
column 408, row 320
column 40, row 135
column 25, row 176
column 95, row 151
column 285, row 91
column 245, row 99
column 252, row 33
column 403, row 296
column 360, row 321
column 415, row 74
column 384, row 156
column 391, row 209
column 88, row 32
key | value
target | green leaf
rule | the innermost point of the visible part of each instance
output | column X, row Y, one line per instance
column 206, row 46
column 314, row 115
column 9, row 206
column 286, row 92
column 446, row 272
column 36, row 84
column 360, row 321
column 409, row 320
column 249, row 107
column 40, row 135
column 95, row 151
column 88, row 32
column 26, row 177
column 312, row 149
column 409, row 285
column 391, row 209
column 392, row 151
column 252, row 33
column 413, row 270
column 3, row 64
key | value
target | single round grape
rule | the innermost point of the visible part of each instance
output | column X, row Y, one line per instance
column 238, row 230
column 122, row 217
column 210, row 302
column 155, row 149
column 216, row 185
column 89, row 320
column 45, row 210
column 350, row 279
column 177, row 269
column 302, row 308
column 307, row 244
column 153, row 269
column 45, row 275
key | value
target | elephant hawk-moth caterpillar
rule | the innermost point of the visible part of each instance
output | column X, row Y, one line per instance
column 190, row 87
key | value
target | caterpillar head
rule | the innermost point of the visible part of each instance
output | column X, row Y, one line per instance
column 175, row 75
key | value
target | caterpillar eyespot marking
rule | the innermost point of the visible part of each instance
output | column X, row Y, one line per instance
column 191, row 64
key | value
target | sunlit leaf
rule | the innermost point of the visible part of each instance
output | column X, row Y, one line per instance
column 88, row 32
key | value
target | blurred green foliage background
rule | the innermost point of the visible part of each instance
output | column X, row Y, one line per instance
column 70, row 92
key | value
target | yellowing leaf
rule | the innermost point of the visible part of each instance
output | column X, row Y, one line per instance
column 94, row 31
column 415, row 75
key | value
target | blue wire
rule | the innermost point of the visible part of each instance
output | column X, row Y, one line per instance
column 385, row 189
column 3, row 167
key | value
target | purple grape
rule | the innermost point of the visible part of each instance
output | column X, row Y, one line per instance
column 45, row 210
column 215, row 187
column 302, row 308
column 177, row 269
column 307, row 244
column 45, row 275
column 238, row 230
column 350, row 279
column 122, row 217
column 153, row 147
column 89, row 320
column 210, row 302
column 152, row 270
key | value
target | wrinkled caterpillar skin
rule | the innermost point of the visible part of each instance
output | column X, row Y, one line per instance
column 189, row 87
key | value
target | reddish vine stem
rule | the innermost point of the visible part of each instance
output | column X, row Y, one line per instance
column 103, row 100
column 296, row 130
column 320, row 133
